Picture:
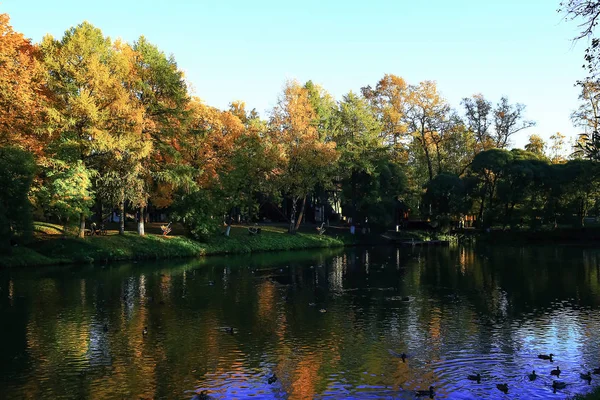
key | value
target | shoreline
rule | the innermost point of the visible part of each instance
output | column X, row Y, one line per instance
column 57, row 250
column 132, row 247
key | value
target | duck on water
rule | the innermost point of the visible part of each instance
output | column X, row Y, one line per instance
column 425, row 393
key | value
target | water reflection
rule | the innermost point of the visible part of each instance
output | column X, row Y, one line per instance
column 322, row 322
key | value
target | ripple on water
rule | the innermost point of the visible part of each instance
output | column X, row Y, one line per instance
column 476, row 318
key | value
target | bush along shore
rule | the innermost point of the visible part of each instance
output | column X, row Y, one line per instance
column 56, row 249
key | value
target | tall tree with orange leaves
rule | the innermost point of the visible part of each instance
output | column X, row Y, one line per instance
column 305, row 160
column 389, row 100
column 22, row 91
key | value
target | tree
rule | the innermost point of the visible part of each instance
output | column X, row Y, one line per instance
column 22, row 91
column 458, row 147
column 587, row 116
column 162, row 92
column 360, row 145
column 305, row 159
column 68, row 191
column 427, row 118
column 557, row 148
column 589, row 12
column 478, row 112
column 93, row 112
column 508, row 120
column 489, row 166
column 446, row 195
column 388, row 100
column 17, row 170
column 199, row 185
column 536, row 145
column 252, row 164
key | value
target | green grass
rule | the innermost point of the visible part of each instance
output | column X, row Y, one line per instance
column 46, row 228
column 58, row 250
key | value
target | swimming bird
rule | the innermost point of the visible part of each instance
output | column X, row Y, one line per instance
column 211, row 283
column 532, row 376
column 405, row 298
column 558, row 385
column 597, row 371
column 503, row 387
column 586, row 377
column 546, row 356
column 422, row 393
column 402, row 356
column 145, row 331
column 272, row 379
column 475, row 377
column 203, row 395
column 555, row 372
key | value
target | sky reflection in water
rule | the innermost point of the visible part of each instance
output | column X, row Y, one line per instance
column 323, row 322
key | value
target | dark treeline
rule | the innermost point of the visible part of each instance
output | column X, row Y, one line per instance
column 90, row 126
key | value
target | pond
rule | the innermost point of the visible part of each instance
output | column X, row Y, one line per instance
column 326, row 324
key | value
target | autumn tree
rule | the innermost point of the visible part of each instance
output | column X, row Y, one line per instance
column 162, row 92
column 389, row 101
column 536, row 145
column 22, row 91
column 305, row 159
column 427, row 117
column 199, row 184
column 94, row 114
column 557, row 148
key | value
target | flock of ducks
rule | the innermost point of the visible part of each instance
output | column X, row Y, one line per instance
column 503, row 387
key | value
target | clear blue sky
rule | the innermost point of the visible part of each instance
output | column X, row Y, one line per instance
column 245, row 50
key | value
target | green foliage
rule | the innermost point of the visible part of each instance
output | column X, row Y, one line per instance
column 200, row 212
column 68, row 191
column 17, row 170
column 447, row 196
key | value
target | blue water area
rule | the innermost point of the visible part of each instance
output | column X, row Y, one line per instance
column 306, row 325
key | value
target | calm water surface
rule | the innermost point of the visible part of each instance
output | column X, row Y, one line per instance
column 323, row 322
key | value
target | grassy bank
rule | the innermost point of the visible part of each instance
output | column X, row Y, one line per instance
column 54, row 249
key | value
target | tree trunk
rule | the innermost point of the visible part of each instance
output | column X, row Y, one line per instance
column 429, row 164
column 354, row 194
column 301, row 213
column 141, row 230
column 293, row 216
column 81, row 226
column 122, row 213
column 481, row 208
column 426, row 150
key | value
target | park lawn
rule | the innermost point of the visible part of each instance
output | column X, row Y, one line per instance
column 53, row 248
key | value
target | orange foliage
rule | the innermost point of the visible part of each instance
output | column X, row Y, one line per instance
column 21, row 89
column 210, row 140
